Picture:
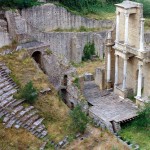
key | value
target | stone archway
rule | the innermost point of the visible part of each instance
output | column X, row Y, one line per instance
column 37, row 56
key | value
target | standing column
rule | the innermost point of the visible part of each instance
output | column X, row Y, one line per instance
column 139, row 88
column 124, row 74
column 116, row 69
column 142, row 35
column 108, row 64
column 117, row 27
column 126, row 27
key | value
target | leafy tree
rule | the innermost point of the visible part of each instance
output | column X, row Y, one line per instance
column 29, row 93
column 79, row 119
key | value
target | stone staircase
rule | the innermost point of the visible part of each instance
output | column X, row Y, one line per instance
column 12, row 111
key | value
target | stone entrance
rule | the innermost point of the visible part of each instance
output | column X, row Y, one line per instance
column 37, row 56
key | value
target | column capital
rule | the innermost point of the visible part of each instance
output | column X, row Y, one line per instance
column 140, row 63
column 126, row 14
column 142, row 19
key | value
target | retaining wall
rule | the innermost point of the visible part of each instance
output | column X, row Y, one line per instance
column 49, row 17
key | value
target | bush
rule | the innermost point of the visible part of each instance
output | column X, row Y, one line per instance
column 18, row 3
column 79, row 119
column 29, row 93
column 89, row 50
column 143, row 120
column 77, row 82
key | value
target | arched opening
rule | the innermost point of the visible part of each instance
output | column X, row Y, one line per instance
column 65, row 80
column 37, row 56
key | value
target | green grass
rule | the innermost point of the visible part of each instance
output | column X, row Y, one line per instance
column 147, row 24
column 81, row 29
column 95, row 12
column 136, row 136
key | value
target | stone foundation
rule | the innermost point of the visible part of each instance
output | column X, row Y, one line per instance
column 122, row 93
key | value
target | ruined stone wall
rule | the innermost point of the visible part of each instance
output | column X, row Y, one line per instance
column 146, row 79
column 5, row 38
column 65, row 44
column 50, row 17
column 71, row 45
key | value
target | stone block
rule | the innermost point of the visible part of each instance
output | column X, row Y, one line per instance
column 100, row 78
column 88, row 77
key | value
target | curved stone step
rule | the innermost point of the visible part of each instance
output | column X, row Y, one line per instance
column 16, row 103
column 14, row 113
column 30, row 121
column 26, row 117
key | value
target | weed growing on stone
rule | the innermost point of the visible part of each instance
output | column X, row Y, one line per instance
column 88, row 51
column 76, row 82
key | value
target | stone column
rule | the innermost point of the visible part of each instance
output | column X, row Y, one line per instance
column 142, row 35
column 139, row 88
column 116, row 69
column 124, row 74
column 126, row 27
column 117, row 27
column 108, row 64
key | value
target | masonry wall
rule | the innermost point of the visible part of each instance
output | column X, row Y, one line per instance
column 71, row 45
column 4, row 39
column 146, row 79
column 49, row 17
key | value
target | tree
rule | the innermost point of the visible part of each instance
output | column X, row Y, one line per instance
column 79, row 119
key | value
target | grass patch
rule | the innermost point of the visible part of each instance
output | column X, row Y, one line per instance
column 136, row 136
column 88, row 66
column 15, row 139
column 138, row 131
column 76, row 82
column 94, row 141
column 147, row 24
column 81, row 29
column 12, row 46
column 97, row 11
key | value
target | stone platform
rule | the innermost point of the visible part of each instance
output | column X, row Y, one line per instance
column 108, row 107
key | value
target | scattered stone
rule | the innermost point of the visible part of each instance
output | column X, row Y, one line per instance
column 46, row 90
column 78, row 135
column 88, row 77
column 43, row 146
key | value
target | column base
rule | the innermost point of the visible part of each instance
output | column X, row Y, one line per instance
column 141, row 101
column 109, row 85
column 123, row 93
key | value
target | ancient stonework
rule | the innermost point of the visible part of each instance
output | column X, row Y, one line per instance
column 127, row 62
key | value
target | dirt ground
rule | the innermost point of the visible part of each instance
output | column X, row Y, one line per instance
column 96, row 139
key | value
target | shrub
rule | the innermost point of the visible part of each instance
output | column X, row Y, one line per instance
column 77, row 82
column 29, row 93
column 89, row 50
column 143, row 120
column 79, row 119
column 18, row 3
